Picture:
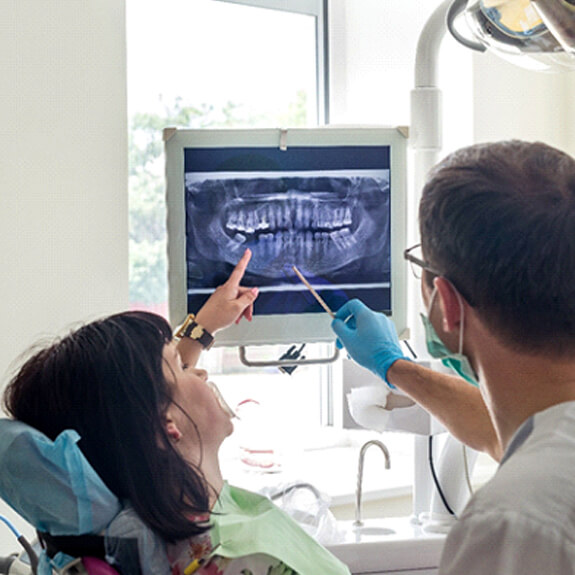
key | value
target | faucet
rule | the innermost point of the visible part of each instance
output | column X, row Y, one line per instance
column 358, row 522
column 286, row 490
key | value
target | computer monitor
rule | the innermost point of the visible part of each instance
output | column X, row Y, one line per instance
column 331, row 201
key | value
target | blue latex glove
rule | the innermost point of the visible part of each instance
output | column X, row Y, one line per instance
column 368, row 336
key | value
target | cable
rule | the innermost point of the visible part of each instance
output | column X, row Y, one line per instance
column 10, row 525
column 31, row 553
column 436, row 480
column 24, row 542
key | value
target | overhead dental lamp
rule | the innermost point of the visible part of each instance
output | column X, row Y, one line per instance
column 535, row 34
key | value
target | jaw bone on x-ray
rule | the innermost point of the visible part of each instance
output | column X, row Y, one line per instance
column 333, row 225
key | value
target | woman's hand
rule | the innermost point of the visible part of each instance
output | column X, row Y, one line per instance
column 230, row 302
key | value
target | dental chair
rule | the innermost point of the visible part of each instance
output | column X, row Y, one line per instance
column 82, row 526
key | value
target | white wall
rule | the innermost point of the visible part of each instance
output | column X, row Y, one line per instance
column 63, row 170
column 512, row 102
column 372, row 56
column 63, row 174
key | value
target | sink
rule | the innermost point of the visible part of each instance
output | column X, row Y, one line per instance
column 389, row 544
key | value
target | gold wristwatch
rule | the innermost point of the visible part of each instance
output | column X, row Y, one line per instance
column 193, row 330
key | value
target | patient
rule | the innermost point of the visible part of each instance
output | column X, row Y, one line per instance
column 151, row 427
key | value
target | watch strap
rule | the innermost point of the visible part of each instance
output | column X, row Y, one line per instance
column 193, row 330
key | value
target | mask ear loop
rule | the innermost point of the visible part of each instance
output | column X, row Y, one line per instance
column 462, row 308
column 431, row 300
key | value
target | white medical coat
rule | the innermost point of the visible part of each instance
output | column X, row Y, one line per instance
column 523, row 521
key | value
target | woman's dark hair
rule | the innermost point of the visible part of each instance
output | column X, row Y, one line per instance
column 106, row 381
column 498, row 220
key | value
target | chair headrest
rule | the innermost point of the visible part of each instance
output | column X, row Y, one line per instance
column 50, row 483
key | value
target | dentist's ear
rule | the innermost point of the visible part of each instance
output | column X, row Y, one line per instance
column 451, row 304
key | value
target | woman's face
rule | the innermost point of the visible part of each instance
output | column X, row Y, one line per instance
column 194, row 395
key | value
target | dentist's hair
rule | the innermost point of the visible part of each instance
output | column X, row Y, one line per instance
column 106, row 381
column 498, row 220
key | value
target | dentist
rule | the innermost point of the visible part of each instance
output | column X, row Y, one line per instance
column 497, row 226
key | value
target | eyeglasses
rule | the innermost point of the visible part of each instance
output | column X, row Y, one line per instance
column 415, row 258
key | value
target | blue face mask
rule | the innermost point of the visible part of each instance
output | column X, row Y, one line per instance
column 458, row 362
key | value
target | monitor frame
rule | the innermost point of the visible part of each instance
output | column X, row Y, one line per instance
column 284, row 328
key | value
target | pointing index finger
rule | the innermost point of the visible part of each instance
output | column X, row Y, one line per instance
column 238, row 272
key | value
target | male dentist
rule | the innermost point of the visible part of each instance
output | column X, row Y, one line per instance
column 497, row 226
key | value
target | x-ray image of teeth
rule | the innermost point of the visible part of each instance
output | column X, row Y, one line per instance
column 332, row 227
column 320, row 224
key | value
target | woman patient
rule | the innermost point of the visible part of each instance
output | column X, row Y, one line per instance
column 151, row 426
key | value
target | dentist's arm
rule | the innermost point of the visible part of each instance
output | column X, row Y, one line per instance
column 371, row 340
column 457, row 404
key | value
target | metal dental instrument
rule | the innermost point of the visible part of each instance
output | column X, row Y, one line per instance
column 313, row 292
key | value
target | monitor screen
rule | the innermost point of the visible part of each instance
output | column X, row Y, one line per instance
column 322, row 204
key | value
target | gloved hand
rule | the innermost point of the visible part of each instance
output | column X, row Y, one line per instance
column 368, row 336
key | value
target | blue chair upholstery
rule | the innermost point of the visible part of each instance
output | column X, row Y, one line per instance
column 50, row 483
column 52, row 486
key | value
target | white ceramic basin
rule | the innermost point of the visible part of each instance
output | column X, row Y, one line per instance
column 387, row 545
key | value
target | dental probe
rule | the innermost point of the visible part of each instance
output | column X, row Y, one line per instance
column 313, row 292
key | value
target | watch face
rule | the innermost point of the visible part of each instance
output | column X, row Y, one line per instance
column 197, row 332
